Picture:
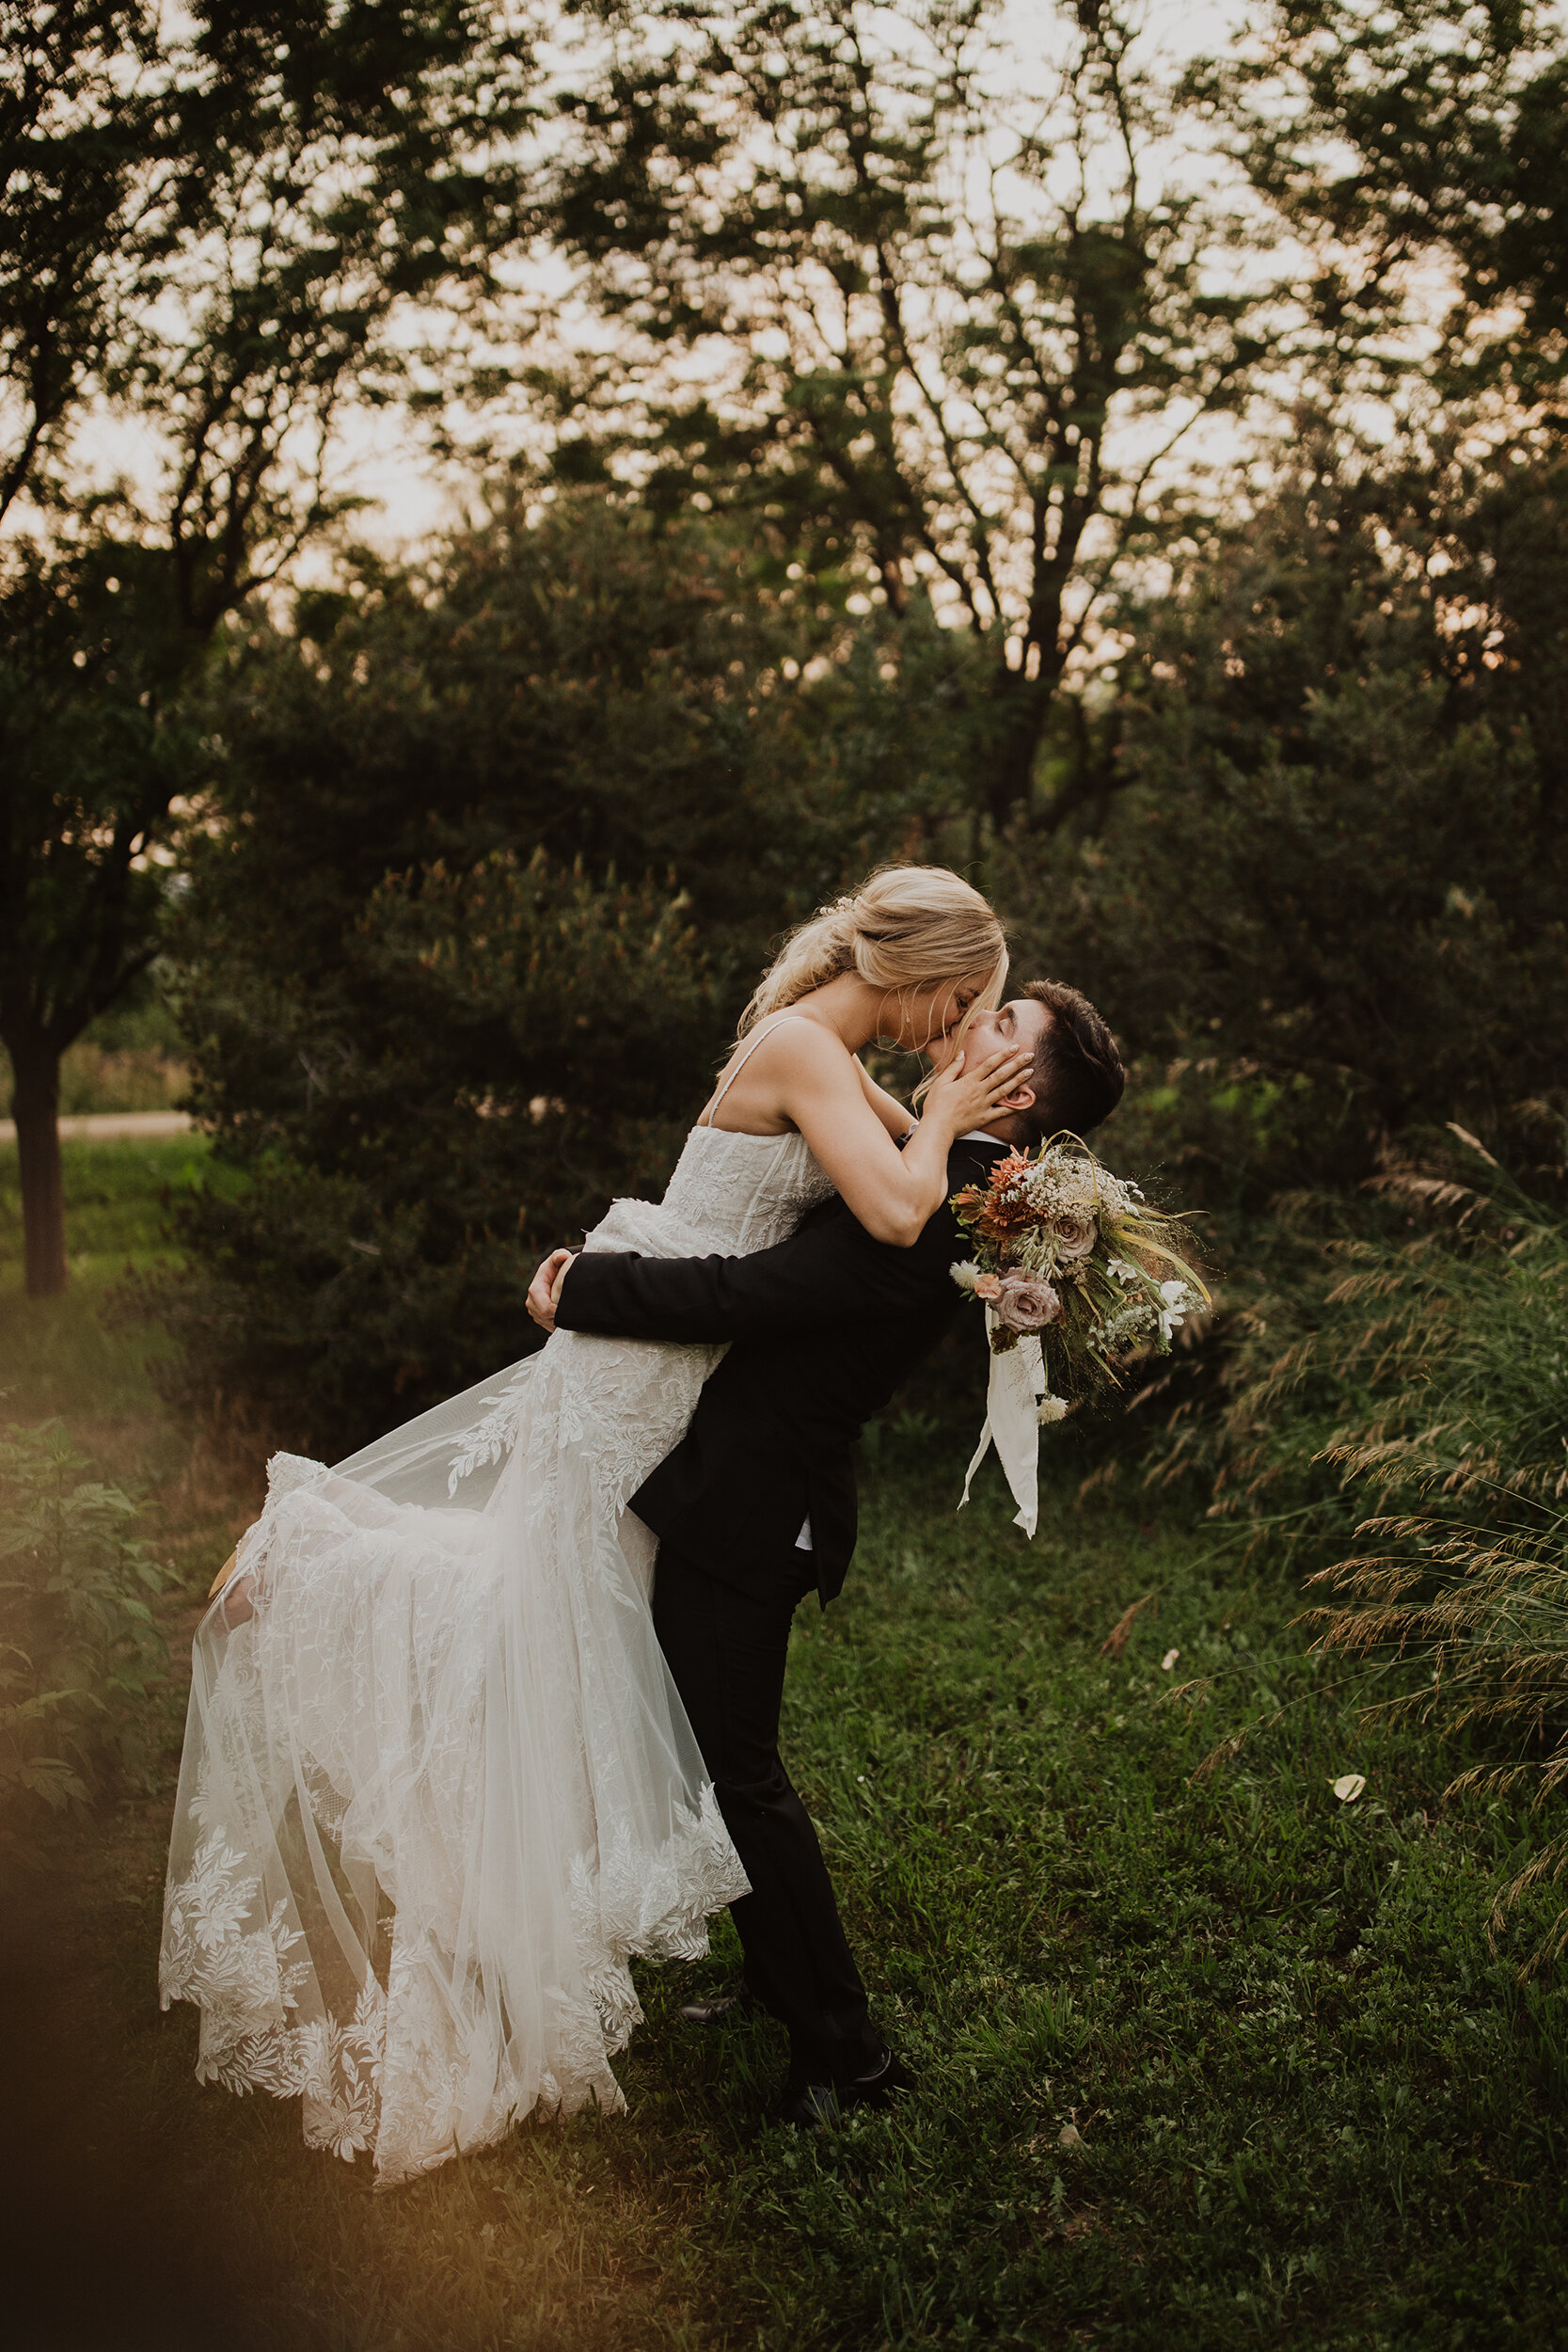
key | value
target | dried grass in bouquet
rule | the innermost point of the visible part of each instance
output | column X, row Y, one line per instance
column 1076, row 1272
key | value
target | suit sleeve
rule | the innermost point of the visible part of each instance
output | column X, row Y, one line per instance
column 830, row 1272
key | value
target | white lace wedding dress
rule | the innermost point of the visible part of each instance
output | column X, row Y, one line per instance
column 437, row 1785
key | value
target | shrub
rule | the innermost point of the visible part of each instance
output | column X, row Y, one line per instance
column 491, row 1057
column 79, row 1649
column 497, row 847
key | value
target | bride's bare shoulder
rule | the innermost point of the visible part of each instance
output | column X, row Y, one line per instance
column 784, row 1038
column 782, row 1059
column 802, row 1032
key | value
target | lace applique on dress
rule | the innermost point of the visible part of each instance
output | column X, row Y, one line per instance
column 288, row 1473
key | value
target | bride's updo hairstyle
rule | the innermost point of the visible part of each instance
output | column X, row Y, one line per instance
column 906, row 929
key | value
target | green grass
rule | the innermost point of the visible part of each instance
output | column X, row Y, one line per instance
column 55, row 1354
column 1313, row 2107
column 116, row 1199
column 59, row 1358
column 1305, row 2090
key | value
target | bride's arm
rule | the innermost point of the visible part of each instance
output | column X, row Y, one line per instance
column 817, row 1087
column 896, row 1117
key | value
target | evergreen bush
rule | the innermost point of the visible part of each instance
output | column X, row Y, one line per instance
column 1320, row 889
column 497, row 846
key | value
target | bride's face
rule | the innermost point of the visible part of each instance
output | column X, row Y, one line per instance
column 920, row 1019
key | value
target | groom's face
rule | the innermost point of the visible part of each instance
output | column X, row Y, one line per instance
column 1020, row 1021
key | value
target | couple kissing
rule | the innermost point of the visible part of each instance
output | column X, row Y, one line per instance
column 491, row 1707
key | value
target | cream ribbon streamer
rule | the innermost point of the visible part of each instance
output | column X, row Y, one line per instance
column 1012, row 1419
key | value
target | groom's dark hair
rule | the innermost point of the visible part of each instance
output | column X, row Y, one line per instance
column 1077, row 1077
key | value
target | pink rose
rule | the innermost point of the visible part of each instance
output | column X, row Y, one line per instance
column 1026, row 1303
column 1074, row 1237
column 988, row 1286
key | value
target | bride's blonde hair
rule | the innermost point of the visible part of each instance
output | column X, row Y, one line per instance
column 907, row 928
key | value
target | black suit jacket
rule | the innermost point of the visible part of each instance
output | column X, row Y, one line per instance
column 824, row 1326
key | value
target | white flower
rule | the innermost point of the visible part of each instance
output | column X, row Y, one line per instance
column 1051, row 1409
column 1179, row 1301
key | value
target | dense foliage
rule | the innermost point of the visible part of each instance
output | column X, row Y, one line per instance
column 503, row 842
column 1322, row 892
column 1315, row 880
column 214, row 222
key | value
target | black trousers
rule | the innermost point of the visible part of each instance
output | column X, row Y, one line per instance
column 726, row 1650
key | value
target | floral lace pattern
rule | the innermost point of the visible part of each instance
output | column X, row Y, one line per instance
column 439, row 1790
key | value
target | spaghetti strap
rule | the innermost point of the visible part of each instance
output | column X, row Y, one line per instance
column 707, row 1119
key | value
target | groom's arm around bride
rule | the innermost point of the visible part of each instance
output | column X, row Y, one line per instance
column 756, row 1506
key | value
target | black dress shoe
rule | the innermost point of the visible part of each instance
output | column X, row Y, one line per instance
column 888, row 2081
column 810, row 2106
column 813, row 2105
column 722, row 2011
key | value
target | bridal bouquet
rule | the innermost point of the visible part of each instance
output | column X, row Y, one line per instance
column 1075, row 1271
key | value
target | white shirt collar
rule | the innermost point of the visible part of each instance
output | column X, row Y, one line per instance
column 980, row 1134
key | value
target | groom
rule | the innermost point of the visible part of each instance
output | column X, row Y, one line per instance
column 756, row 1504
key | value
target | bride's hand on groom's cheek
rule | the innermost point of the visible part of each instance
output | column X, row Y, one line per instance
column 544, row 1292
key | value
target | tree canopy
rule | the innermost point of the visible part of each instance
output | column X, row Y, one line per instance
column 214, row 224
column 499, row 842
column 1137, row 482
column 951, row 326
column 1416, row 149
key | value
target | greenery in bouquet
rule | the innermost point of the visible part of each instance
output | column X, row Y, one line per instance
column 1068, row 1253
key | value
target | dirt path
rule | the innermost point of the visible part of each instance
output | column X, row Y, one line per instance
column 112, row 1127
column 106, row 2210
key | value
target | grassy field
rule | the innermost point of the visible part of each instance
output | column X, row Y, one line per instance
column 1203, row 2063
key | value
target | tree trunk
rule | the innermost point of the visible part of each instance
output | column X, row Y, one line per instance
column 36, row 1109
column 1022, row 707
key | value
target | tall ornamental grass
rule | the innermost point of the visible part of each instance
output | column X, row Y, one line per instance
column 1426, row 1378
column 1380, row 1351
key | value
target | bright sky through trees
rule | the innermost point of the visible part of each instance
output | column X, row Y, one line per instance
column 385, row 456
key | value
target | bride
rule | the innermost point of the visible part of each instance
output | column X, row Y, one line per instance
column 437, row 1785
